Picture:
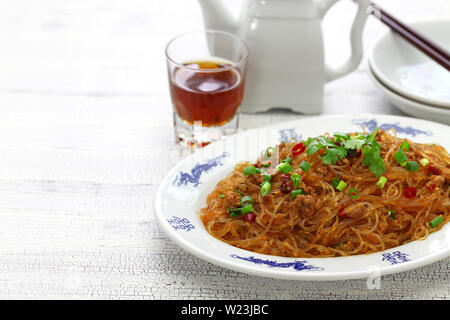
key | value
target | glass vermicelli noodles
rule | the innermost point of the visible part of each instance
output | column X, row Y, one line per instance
column 332, row 195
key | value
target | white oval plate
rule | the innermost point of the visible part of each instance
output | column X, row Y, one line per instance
column 411, row 107
column 183, row 193
column 403, row 68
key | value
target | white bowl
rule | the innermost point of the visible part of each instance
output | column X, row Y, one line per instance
column 411, row 107
column 406, row 70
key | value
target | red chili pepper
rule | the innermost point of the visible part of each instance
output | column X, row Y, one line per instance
column 434, row 170
column 342, row 213
column 410, row 192
column 431, row 187
column 250, row 217
column 298, row 148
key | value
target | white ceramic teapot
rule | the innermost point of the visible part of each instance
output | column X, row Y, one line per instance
column 286, row 67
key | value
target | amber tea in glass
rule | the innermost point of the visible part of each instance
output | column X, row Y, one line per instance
column 206, row 92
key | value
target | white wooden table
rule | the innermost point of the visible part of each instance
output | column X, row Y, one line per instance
column 86, row 137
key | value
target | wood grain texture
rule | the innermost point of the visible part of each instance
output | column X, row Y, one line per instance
column 86, row 137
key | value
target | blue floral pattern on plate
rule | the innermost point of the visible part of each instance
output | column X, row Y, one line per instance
column 298, row 265
column 395, row 257
column 184, row 178
column 289, row 133
column 372, row 124
column 178, row 223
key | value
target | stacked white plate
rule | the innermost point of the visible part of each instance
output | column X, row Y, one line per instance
column 408, row 78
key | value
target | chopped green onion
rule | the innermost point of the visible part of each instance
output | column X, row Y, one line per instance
column 284, row 167
column 247, row 209
column 336, row 245
column 287, row 160
column 424, row 162
column 295, row 179
column 246, row 200
column 238, row 192
column 336, row 182
column 297, row 192
column 400, row 156
column 405, row 146
column 412, row 166
column 265, row 188
column 403, row 164
column 304, row 166
column 353, row 193
column 392, row 214
column 251, row 170
column 436, row 221
column 381, row 182
column 268, row 151
column 222, row 195
column 236, row 212
column 267, row 177
column 341, row 185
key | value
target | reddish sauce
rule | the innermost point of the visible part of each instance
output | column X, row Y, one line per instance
column 210, row 97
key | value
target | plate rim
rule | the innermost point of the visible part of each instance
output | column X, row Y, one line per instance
column 430, row 258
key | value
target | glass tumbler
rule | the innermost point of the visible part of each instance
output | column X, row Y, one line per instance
column 206, row 71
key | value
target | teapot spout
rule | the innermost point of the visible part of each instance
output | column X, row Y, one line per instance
column 216, row 17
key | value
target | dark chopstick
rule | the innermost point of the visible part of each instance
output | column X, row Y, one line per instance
column 425, row 45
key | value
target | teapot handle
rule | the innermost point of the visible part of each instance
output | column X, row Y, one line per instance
column 355, row 37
